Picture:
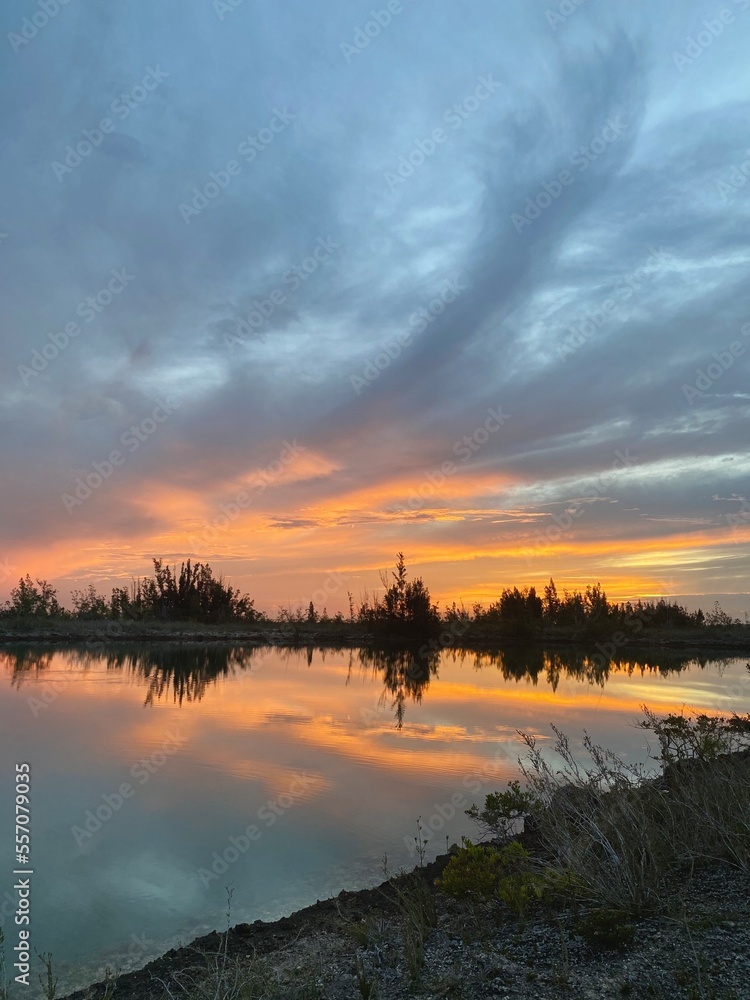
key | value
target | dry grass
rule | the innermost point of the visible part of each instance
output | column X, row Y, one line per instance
column 620, row 833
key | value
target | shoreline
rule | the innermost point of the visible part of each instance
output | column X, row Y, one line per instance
column 264, row 937
column 338, row 947
column 97, row 633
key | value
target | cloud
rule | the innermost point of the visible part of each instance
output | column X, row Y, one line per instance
column 583, row 322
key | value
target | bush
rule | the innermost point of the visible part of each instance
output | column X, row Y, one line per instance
column 473, row 872
column 702, row 738
column 519, row 885
column 502, row 811
column 478, row 872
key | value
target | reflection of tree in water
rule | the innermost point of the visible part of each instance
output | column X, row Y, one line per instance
column 23, row 662
column 187, row 670
column 406, row 674
column 573, row 663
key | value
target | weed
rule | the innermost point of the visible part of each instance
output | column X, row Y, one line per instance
column 421, row 842
column 217, row 976
column 48, row 979
column 370, row 932
column 603, row 824
column 416, row 906
column 562, row 976
column 3, row 972
column 365, row 984
column 110, row 983
column 618, row 831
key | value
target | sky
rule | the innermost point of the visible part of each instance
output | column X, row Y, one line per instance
column 289, row 288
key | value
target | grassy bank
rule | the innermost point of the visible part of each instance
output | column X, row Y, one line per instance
column 476, row 635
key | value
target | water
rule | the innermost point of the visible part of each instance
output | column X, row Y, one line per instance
column 163, row 774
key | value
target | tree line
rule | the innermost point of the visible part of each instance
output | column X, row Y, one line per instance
column 193, row 594
column 405, row 607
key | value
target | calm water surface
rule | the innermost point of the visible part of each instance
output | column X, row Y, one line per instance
column 163, row 774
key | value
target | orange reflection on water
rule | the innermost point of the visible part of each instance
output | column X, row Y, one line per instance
column 271, row 710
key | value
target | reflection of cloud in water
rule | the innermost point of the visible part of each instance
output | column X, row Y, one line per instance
column 184, row 672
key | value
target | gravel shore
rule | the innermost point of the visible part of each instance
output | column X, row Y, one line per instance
column 356, row 946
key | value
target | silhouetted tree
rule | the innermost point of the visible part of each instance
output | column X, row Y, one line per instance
column 89, row 603
column 35, row 602
column 405, row 608
column 194, row 594
column 551, row 603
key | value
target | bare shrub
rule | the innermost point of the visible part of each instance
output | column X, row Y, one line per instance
column 602, row 824
column 619, row 831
